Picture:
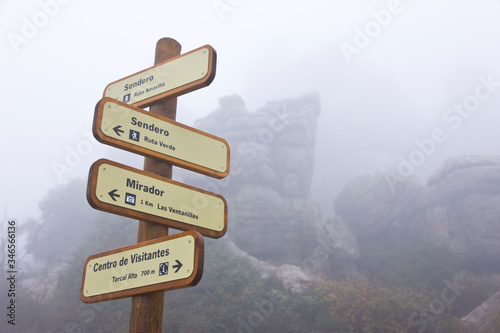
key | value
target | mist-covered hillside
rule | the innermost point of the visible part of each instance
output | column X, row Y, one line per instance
column 396, row 255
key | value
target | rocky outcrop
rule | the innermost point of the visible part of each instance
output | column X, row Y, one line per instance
column 460, row 207
column 273, row 146
column 292, row 277
column 341, row 237
column 372, row 202
column 483, row 318
column 273, row 228
column 271, row 220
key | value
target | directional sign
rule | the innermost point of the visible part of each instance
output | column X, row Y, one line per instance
column 165, row 263
column 134, row 193
column 174, row 77
column 133, row 129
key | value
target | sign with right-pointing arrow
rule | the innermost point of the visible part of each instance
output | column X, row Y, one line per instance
column 162, row 264
column 134, row 193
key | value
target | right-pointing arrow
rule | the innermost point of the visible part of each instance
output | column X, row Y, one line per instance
column 118, row 130
column 113, row 195
column 178, row 266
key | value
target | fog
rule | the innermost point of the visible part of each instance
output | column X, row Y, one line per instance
column 376, row 98
column 403, row 85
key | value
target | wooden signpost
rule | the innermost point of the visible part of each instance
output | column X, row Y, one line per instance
column 157, row 262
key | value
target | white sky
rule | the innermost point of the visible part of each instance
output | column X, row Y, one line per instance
column 428, row 57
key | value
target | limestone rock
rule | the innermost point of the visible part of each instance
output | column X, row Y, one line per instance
column 460, row 207
column 272, row 157
column 341, row 238
column 335, row 252
column 273, row 146
column 293, row 278
column 273, row 228
column 482, row 317
column 464, row 162
column 271, row 220
column 372, row 202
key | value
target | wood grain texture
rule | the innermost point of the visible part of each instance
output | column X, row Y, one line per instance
column 146, row 313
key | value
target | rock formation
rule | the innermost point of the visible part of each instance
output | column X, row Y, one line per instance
column 482, row 317
column 372, row 202
column 460, row 207
column 271, row 220
column 281, row 232
column 273, row 146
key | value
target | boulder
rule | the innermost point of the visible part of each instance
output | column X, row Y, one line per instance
column 460, row 207
column 273, row 146
column 372, row 202
column 484, row 317
column 273, row 228
column 292, row 277
column 270, row 216
column 271, row 220
column 335, row 252
column 341, row 238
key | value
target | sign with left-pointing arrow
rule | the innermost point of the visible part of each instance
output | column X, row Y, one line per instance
column 162, row 264
column 133, row 129
column 120, row 189
column 113, row 194
column 118, row 130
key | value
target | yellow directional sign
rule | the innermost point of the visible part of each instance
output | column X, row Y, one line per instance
column 165, row 263
column 133, row 129
column 134, row 193
column 174, row 77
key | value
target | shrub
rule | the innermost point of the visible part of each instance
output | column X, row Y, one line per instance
column 360, row 306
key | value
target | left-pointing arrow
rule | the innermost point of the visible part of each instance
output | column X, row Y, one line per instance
column 178, row 266
column 118, row 130
column 113, row 194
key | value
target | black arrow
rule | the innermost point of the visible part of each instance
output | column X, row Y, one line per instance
column 178, row 266
column 118, row 130
column 113, row 194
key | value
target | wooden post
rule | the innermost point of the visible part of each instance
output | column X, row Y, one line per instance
column 147, row 310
